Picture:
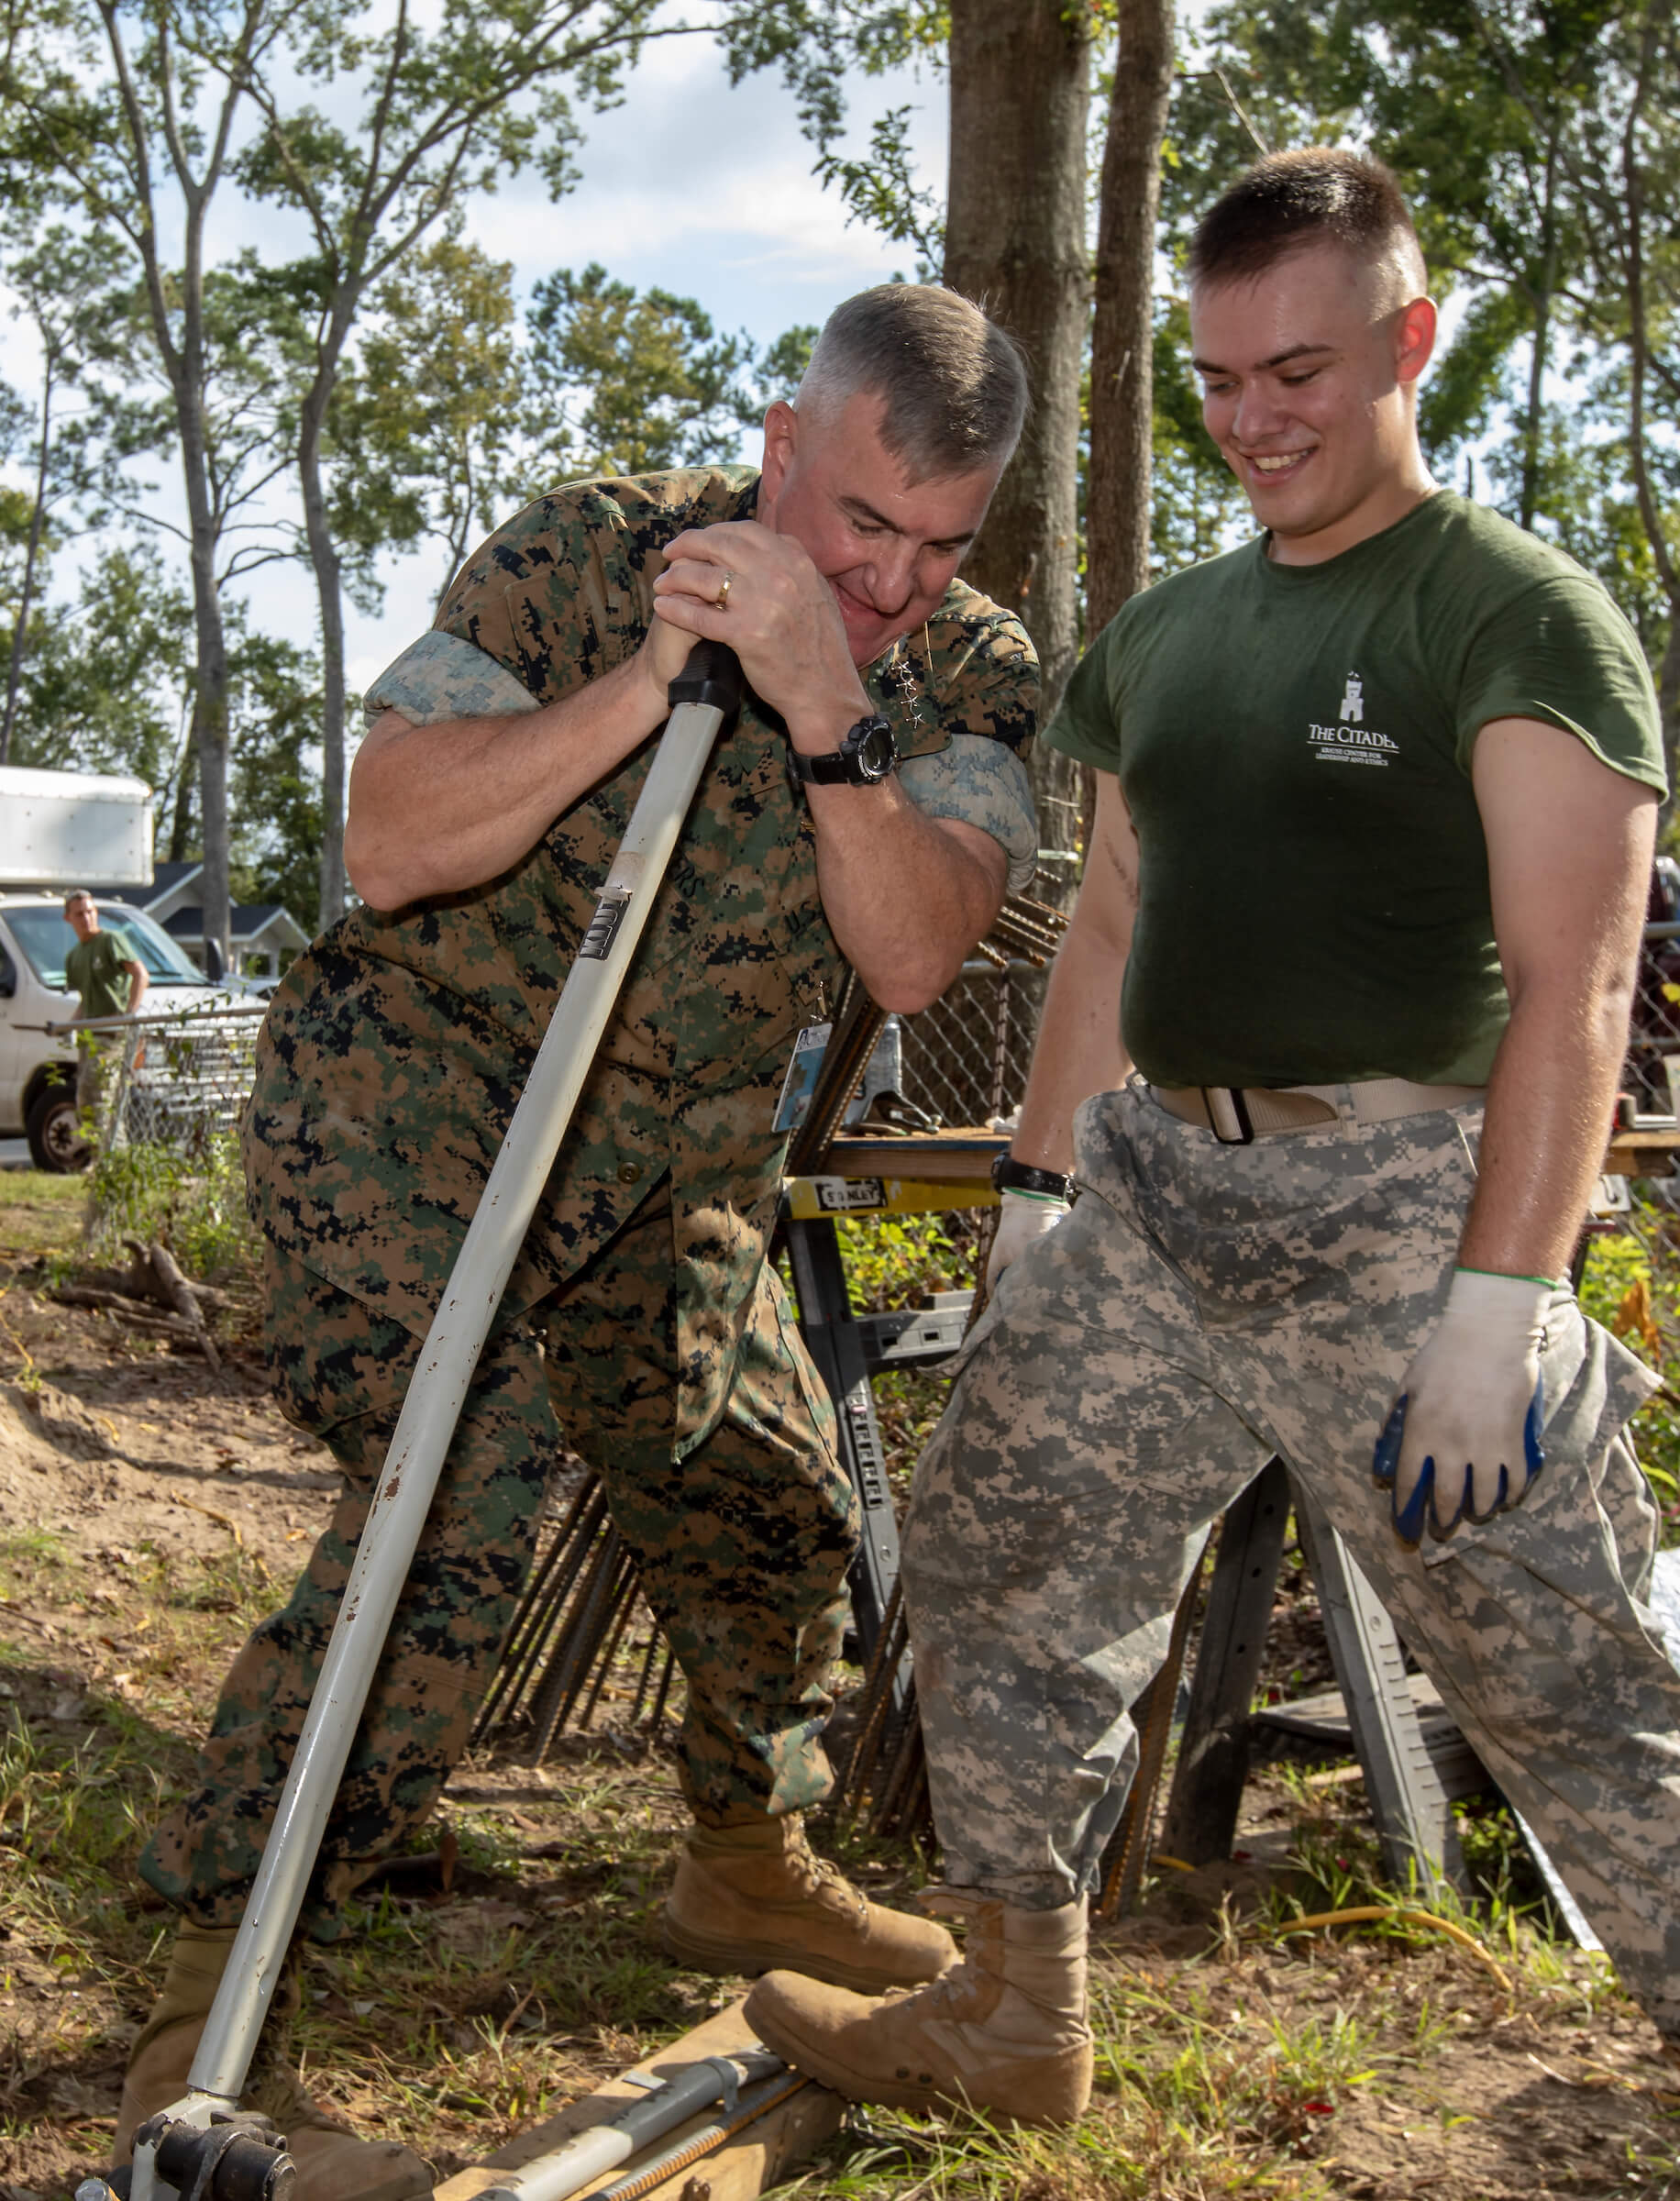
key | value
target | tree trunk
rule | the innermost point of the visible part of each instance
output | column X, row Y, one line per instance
column 210, row 703
column 1539, row 342
column 36, row 520
column 329, row 586
column 1015, row 243
column 1651, row 512
column 1122, row 328
column 180, row 822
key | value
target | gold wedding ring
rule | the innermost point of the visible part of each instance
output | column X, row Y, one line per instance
column 722, row 595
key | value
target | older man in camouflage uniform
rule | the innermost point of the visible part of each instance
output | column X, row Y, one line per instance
column 1368, row 935
column 642, row 1321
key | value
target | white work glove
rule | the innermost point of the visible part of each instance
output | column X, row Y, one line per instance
column 1022, row 1217
column 1463, row 1439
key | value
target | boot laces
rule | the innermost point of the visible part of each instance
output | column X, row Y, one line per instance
column 820, row 1874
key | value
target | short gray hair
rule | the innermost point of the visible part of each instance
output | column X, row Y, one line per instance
column 954, row 384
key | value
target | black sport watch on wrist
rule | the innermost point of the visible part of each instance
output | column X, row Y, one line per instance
column 866, row 755
column 1008, row 1175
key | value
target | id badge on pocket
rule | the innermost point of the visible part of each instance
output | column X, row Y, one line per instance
column 800, row 1083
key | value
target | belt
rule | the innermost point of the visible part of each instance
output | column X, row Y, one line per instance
column 1237, row 1115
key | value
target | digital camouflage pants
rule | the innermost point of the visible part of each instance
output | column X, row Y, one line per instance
column 743, row 1548
column 1200, row 1309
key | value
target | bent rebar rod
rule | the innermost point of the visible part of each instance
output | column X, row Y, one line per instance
column 594, row 2155
column 704, row 696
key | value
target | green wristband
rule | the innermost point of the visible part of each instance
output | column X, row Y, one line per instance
column 1551, row 1283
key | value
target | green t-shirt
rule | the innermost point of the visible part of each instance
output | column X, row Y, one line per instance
column 97, row 970
column 1294, row 744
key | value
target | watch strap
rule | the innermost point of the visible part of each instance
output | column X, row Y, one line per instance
column 826, row 770
column 1008, row 1175
column 837, row 767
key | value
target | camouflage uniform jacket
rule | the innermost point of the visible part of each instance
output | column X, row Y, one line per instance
column 395, row 1052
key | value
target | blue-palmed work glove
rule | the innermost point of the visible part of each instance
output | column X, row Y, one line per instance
column 1463, row 1439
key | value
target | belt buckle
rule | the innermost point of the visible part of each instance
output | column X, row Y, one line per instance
column 1231, row 1095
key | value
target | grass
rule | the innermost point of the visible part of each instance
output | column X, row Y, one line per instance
column 1235, row 2059
column 1231, row 2060
column 43, row 1212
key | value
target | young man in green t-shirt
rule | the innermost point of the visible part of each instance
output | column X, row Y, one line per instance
column 1344, row 999
column 107, row 982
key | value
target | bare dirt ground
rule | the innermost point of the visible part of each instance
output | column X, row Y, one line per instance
column 149, row 1510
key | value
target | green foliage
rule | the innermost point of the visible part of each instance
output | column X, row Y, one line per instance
column 276, row 787
column 898, row 1260
column 880, row 188
column 1631, row 1285
column 625, row 383
column 106, row 682
column 421, row 421
column 190, row 1198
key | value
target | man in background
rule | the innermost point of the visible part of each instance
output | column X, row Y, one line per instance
column 108, row 981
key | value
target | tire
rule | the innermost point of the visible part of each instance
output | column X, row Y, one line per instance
column 54, row 1132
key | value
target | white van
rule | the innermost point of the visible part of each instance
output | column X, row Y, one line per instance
column 37, row 1070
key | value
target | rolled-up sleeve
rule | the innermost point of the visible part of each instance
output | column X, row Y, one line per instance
column 984, row 784
column 441, row 677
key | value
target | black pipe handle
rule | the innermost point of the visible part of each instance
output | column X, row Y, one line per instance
column 712, row 675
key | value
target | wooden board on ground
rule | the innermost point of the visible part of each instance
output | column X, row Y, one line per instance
column 741, row 2169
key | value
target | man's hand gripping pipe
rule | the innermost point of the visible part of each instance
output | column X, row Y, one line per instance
column 704, row 697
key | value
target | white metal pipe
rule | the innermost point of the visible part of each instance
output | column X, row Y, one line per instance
column 443, row 1373
column 587, row 2159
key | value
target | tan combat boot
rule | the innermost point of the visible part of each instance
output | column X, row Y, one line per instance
column 333, row 2164
column 748, row 1897
column 1005, row 2032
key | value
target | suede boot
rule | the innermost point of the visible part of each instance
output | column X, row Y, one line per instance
column 746, row 1898
column 1004, row 2031
column 333, row 2164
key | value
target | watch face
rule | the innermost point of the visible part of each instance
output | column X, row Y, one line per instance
column 875, row 752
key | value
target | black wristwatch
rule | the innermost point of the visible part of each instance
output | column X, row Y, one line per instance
column 1008, row 1175
column 868, row 754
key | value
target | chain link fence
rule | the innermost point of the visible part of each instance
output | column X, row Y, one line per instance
column 965, row 1058
column 175, row 1080
column 157, row 1110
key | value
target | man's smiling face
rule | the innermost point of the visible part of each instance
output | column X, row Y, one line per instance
column 888, row 547
column 1308, row 374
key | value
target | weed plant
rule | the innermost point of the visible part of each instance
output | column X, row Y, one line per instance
column 191, row 1200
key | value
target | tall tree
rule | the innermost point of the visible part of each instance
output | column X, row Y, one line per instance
column 117, row 109
column 623, row 382
column 62, row 282
column 1630, row 178
column 1124, row 320
column 1015, row 241
column 107, row 686
column 423, row 430
column 444, row 113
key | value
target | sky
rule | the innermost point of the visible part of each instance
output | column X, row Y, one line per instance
column 689, row 185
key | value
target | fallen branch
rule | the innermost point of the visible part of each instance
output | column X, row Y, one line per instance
column 175, row 1291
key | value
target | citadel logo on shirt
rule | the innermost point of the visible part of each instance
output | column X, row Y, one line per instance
column 1348, row 742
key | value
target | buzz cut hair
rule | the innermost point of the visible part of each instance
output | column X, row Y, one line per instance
column 1290, row 202
column 953, row 384
column 78, row 895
